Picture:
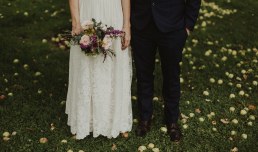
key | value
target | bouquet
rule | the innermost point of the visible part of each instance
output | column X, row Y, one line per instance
column 96, row 38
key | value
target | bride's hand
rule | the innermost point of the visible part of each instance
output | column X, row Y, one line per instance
column 76, row 29
column 126, row 38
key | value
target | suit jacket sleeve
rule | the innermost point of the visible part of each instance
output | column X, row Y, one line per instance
column 191, row 13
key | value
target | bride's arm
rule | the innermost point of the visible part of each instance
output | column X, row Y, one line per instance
column 75, row 15
column 126, row 12
column 126, row 23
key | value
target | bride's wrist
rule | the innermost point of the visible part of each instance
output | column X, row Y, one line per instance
column 126, row 25
column 75, row 24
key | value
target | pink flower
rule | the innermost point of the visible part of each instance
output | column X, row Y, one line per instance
column 107, row 42
column 85, row 40
column 87, row 24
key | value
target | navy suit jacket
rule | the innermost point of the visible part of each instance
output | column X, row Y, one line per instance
column 169, row 15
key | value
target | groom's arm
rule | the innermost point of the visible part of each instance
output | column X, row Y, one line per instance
column 191, row 13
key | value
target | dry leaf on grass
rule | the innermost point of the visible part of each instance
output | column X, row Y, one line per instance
column 251, row 107
column 225, row 121
column 125, row 135
column 113, row 147
column 197, row 110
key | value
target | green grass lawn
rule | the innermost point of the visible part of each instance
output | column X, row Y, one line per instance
column 219, row 82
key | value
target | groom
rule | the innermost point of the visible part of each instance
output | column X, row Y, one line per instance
column 163, row 26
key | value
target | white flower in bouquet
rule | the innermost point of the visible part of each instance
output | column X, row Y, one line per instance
column 85, row 40
column 87, row 24
column 104, row 27
column 107, row 42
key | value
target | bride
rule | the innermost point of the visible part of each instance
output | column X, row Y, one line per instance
column 99, row 94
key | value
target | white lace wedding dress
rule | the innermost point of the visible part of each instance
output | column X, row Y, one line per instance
column 99, row 94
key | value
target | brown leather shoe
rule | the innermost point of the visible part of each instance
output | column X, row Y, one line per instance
column 143, row 128
column 174, row 132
